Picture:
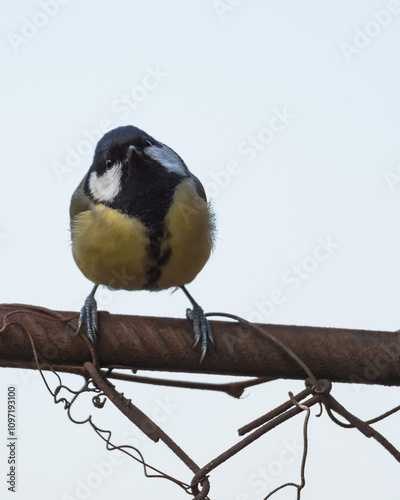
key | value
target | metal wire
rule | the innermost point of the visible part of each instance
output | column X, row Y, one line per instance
column 300, row 486
column 97, row 384
column 165, row 344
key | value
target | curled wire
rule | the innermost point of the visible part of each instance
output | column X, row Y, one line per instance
column 300, row 486
column 319, row 388
column 88, row 387
column 276, row 341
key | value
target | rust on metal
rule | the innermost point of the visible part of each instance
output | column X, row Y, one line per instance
column 166, row 344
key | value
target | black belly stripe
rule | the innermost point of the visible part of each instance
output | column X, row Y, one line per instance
column 157, row 256
column 152, row 275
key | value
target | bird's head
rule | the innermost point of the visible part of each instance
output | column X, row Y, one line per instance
column 129, row 163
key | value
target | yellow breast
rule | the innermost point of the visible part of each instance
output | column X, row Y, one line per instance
column 111, row 248
column 191, row 229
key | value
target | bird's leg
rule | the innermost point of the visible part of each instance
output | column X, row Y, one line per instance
column 201, row 325
column 88, row 315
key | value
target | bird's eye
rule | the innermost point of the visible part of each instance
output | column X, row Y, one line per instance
column 149, row 143
column 108, row 163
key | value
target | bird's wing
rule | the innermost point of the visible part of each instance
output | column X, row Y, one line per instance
column 199, row 188
column 80, row 202
column 201, row 192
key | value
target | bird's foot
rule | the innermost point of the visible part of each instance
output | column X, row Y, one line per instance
column 88, row 315
column 201, row 327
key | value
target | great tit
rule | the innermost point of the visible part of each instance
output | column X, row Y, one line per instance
column 140, row 221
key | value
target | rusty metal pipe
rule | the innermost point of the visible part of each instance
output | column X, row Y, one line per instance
column 165, row 344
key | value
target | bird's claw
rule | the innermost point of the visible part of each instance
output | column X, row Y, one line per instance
column 202, row 329
column 88, row 315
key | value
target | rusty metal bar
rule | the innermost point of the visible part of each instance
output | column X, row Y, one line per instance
column 145, row 424
column 234, row 389
column 368, row 431
column 165, row 344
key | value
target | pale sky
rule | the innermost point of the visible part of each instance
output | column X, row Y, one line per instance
column 289, row 113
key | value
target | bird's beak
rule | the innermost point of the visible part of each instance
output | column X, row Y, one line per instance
column 131, row 151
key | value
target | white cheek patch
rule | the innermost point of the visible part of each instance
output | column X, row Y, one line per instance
column 167, row 158
column 106, row 186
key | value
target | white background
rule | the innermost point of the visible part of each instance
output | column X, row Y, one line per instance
column 224, row 71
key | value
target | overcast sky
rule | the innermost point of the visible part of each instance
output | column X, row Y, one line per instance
column 289, row 113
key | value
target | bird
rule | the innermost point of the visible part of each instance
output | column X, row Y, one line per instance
column 140, row 220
